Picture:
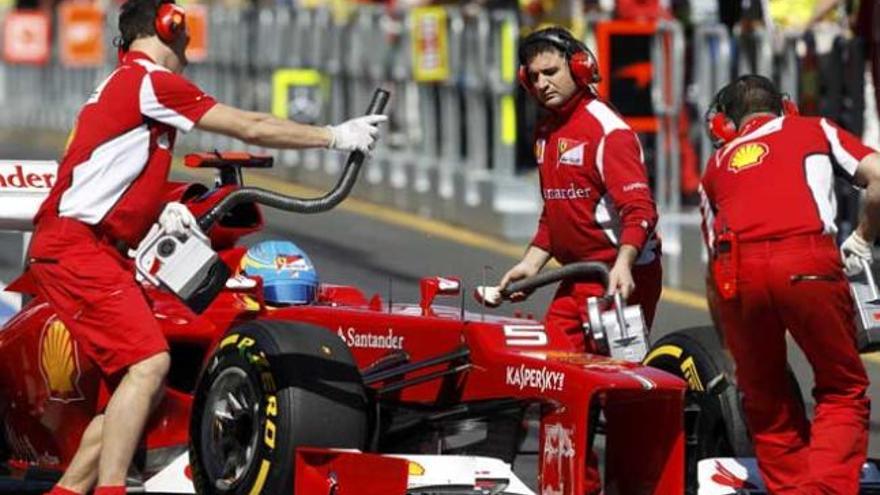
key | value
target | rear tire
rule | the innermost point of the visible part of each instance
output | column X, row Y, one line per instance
column 268, row 388
column 714, row 422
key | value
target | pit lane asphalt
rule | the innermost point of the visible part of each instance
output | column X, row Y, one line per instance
column 374, row 248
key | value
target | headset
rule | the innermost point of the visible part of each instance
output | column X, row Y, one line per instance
column 170, row 22
column 722, row 128
column 581, row 61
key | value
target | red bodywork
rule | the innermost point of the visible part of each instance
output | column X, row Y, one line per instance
column 49, row 391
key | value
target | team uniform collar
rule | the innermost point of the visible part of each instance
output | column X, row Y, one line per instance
column 580, row 98
column 755, row 123
column 131, row 56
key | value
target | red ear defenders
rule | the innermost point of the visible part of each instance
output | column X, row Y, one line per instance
column 581, row 61
column 722, row 129
column 170, row 21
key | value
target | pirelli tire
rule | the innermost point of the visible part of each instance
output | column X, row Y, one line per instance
column 269, row 387
column 714, row 422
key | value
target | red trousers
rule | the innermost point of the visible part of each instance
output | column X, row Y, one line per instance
column 568, row 311
column 93, row 291
column 798, row 284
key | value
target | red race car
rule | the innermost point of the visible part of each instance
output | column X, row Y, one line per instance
column 350, row 394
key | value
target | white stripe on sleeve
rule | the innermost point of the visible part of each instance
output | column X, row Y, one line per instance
column 820, row 178
column 151, row 107
column 843, row 157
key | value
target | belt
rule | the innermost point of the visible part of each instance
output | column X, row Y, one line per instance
column 822, row 241
column 67, row 224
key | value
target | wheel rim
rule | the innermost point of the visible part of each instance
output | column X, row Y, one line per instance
column 229, row 437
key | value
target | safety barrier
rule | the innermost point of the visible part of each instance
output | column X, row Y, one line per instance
column 449, row 151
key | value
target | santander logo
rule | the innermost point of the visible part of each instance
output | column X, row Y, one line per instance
column 24, row 176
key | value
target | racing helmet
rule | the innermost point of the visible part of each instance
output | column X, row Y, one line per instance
column 289, row 277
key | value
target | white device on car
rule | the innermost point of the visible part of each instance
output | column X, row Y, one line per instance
column 619, row 332
column 186, row 265
column 867, row 301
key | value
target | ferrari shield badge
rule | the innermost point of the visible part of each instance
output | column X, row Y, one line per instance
column 571, row 152
column 747, row 156
column 59, row 362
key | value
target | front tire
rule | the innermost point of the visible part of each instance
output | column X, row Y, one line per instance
column 268, row 388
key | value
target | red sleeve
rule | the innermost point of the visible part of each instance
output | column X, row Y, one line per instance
column 846, row 149
column 626, row 181
column 171, row 99
column 542, row 234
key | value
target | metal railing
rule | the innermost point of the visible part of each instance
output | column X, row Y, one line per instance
column 449, row 149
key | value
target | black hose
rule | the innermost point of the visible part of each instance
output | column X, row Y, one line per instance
column 572, row 271
column 293, row 204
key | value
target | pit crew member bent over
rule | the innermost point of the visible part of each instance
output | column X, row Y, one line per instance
column 111, row 181
column 769, row 222
column 597, row 202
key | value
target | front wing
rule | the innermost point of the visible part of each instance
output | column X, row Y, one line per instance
column 341, row 472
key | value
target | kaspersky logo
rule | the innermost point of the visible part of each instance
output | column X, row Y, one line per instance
column 59, row 362
column 747, row 156
column 541, row 379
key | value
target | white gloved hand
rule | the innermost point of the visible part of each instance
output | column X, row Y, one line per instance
column 358, row 134
column 855, row 249
column 177, row 220
column 490, row 296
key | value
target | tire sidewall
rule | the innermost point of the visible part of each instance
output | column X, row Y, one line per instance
column 696, row 356
column 248, row 351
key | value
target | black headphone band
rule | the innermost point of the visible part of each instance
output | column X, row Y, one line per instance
column 721, row 101
column 567, row 44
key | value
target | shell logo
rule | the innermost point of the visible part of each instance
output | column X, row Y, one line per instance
column 416, row 469
column 59, row 362
column 747, row 156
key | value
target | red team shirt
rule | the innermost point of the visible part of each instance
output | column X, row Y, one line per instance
column 594, row 186
column 776, row 179
column 119, row 154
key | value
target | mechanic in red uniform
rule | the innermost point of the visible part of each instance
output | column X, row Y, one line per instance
column 597, row 201
column 108, row 194
column 769, row 214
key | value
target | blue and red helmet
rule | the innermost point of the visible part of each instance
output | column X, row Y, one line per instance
column 289, row 277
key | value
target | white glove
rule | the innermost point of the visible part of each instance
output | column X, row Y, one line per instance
column 855, row 250
column 357, row 134
column 177, row 220
column 490, row 296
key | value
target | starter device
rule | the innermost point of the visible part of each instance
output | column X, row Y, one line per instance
column 867, row 301
column 620, row 331
column 186, row 265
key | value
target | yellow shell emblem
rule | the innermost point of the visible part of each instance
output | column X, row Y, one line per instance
column 747, row 156
column 59, row 362
column 416, row 469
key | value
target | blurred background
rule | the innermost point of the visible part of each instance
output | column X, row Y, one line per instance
column 459, row 144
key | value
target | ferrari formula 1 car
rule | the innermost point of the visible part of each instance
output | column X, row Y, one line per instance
column 350, row 394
